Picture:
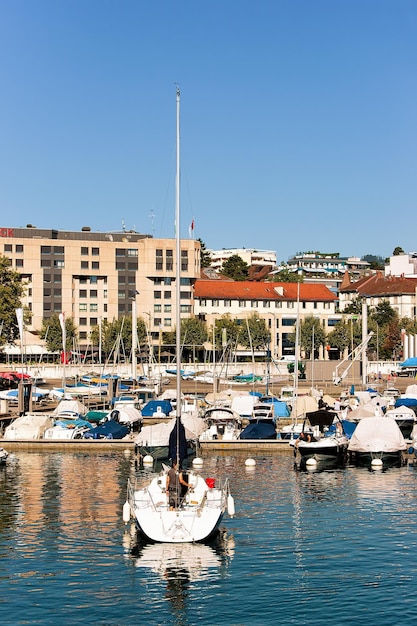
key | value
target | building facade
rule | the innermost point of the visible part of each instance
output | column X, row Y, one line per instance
column 93, row 276
column 279, row 304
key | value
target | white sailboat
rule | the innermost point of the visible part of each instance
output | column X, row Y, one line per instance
column 198, row 512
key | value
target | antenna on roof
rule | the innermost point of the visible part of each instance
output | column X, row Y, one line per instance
column 152, row 215
column 123, row 226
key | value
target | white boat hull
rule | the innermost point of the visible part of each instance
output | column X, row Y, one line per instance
column 197, row 518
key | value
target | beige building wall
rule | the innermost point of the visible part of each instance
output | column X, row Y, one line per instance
column 91, row 276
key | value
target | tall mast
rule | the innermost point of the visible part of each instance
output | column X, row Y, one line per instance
column 178, row 275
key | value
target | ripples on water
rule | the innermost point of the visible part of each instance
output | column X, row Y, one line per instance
column 313, row 548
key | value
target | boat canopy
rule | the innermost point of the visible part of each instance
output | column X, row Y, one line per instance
column 376, row 434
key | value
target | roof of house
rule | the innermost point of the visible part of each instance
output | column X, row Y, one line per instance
column 380, row 285
column 249, row 290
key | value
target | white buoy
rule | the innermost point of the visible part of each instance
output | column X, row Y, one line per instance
column 230, row 505
column 376, row 463
column 126, row 512
column 311, row 462
column 126, row 452
column 250, row 462
column 148, row 460
column 198, row 461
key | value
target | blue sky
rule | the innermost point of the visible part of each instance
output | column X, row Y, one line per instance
column 298, row 120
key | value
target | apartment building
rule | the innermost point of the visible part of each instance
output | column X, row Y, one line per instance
column 95, row 275
column 279, row 304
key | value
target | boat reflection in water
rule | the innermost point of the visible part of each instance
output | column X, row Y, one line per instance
column 180, row 564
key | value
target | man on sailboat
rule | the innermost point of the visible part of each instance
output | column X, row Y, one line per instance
column 173, row 488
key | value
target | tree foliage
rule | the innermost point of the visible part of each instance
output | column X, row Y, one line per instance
column 236, row 268
column 11, row 291
column 397, row 251
column 205, row 256
column 306, row 335
column 51, row 332
column 253, row 333
column 286, row 275
column 116, row 337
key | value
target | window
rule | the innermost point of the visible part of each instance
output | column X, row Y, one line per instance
column 254, row 304
column 132, row 266
column 242, row 303
column 184, row 260
column 45, row 249
column 57, row 293
column 157, row 321
column 167, row 295
column 83, row 280
column 82, row 307
column 93, row 321
column 203, row 302
column 93, row 279
column 267, row 304
column 83, row 321
column 83, row 293
column 331, row 322
column 121, row 279
column 131, row 280
column 84, row 265
column 227, row 303
column 46, row 292
column 121, row 295
column 105, row 308
column 58, row 249
column 120, row 252
column 326, row 305
column 120, row 267
column 168, row 281
column 95, row 251
column 104, row 293
column 45, row 262
column 185, row 308
column 19, row 248
column 290, row 305
column 167, row 308
column 215, row 303
column 59, row 264
column 95, row 265
column 132, row 252
column 83, row 334
column 167, row 321
column 93, row 293
column 278, row 304
column 8, row 247
column 169, row 262
column 19, row 262
column 84, row 251
column 157, row 295
column 288, row 322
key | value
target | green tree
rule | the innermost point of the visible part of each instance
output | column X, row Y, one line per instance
column 383, row 313
column 286, row 275
column 397, row 251
column 375, row 262
column 116, row 336
column 51, row 332
column 306, row 335
column 235, row 267
column 354, row 307
column 205, row 256
column 11, row 291
column 254, row 333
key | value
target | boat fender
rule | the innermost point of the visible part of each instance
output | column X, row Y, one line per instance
column 126, row 512
column 230, row 505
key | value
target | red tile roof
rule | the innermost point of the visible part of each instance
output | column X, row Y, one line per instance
column 248, row 290
column 380, row 285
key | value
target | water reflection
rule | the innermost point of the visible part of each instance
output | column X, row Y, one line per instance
column 181, row 565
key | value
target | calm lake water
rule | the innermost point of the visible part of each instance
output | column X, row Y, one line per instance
column 325, row 547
